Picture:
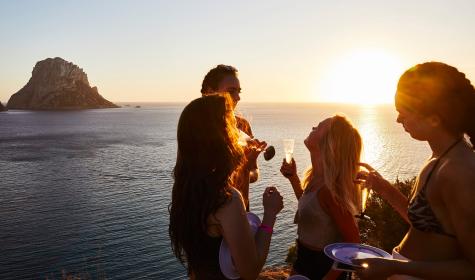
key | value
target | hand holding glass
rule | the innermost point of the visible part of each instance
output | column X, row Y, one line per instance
column 365, row 194
column 243, row 138
column 246, row 140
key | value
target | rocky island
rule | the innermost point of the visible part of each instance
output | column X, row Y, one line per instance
column 2, row 108
column 57, row 84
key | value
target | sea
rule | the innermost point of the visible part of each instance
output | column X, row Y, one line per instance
column 86, row 193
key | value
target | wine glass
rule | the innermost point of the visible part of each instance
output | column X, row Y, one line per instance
column 365, row 195
column 243, row 138
column 288, row 149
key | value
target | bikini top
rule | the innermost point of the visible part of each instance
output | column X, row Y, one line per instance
column 419, row 211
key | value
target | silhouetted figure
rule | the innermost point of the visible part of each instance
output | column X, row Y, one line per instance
column 223, row 79
column 328, row 198
column 206, row 208
column 436, row 104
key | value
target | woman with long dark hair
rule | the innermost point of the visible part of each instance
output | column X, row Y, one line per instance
column 206, row 208
column 436, row 104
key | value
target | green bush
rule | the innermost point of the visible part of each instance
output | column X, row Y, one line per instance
column 291, row 254
column 385, row 228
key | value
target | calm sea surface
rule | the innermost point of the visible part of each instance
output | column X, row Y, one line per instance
column 87, row 191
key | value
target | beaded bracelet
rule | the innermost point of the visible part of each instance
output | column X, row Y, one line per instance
column 266, row 228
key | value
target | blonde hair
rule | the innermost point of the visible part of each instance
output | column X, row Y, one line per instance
column 340, row 151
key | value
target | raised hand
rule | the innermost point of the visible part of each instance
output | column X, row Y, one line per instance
column 373, row 179
column 272, row 201
column 382, row 187
column 253, row 149
column 289, row 170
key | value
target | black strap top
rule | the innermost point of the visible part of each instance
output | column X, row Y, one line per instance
column 419, row 211
column 208, row 268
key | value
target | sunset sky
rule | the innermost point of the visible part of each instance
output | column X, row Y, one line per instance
column 285, row 51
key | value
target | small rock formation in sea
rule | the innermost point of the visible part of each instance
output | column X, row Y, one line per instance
column 2, row 108
column 57, row 84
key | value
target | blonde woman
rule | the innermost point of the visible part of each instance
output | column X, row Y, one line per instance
column 328, row 198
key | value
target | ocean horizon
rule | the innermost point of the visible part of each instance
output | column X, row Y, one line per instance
column 87, row 191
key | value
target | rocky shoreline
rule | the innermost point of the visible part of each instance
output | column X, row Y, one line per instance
column 275, row 272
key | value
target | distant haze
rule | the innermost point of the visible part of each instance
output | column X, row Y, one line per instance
column 305, row 51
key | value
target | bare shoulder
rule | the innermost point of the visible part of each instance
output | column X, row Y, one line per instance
column 235, row 204
column 457, row 175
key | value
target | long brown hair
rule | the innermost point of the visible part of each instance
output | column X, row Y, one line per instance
column 340, row 151
column 440, row 89
column 208, row 154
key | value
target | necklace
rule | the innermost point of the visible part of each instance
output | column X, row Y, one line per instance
column 441, row 156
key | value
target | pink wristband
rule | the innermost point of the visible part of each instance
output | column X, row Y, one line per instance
column 266, row 228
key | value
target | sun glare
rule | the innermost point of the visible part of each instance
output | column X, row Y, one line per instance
column 361, row 77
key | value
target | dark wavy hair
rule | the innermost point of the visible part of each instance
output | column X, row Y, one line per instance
column 214, row 77
column 440, row 89
column 208, row 155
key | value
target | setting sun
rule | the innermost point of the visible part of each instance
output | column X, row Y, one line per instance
column 361, row 77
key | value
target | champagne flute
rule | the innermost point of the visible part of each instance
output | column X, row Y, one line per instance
column 365, row 195
column 288, row 149
column 243, row 138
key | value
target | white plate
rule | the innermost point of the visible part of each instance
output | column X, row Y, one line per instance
column 298, row 277
column 225, row 260
column 346, row 252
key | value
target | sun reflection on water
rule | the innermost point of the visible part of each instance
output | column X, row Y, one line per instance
column 370, row 130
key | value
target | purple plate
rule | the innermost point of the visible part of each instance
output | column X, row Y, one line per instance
column 346, row 252
column 225, row 259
